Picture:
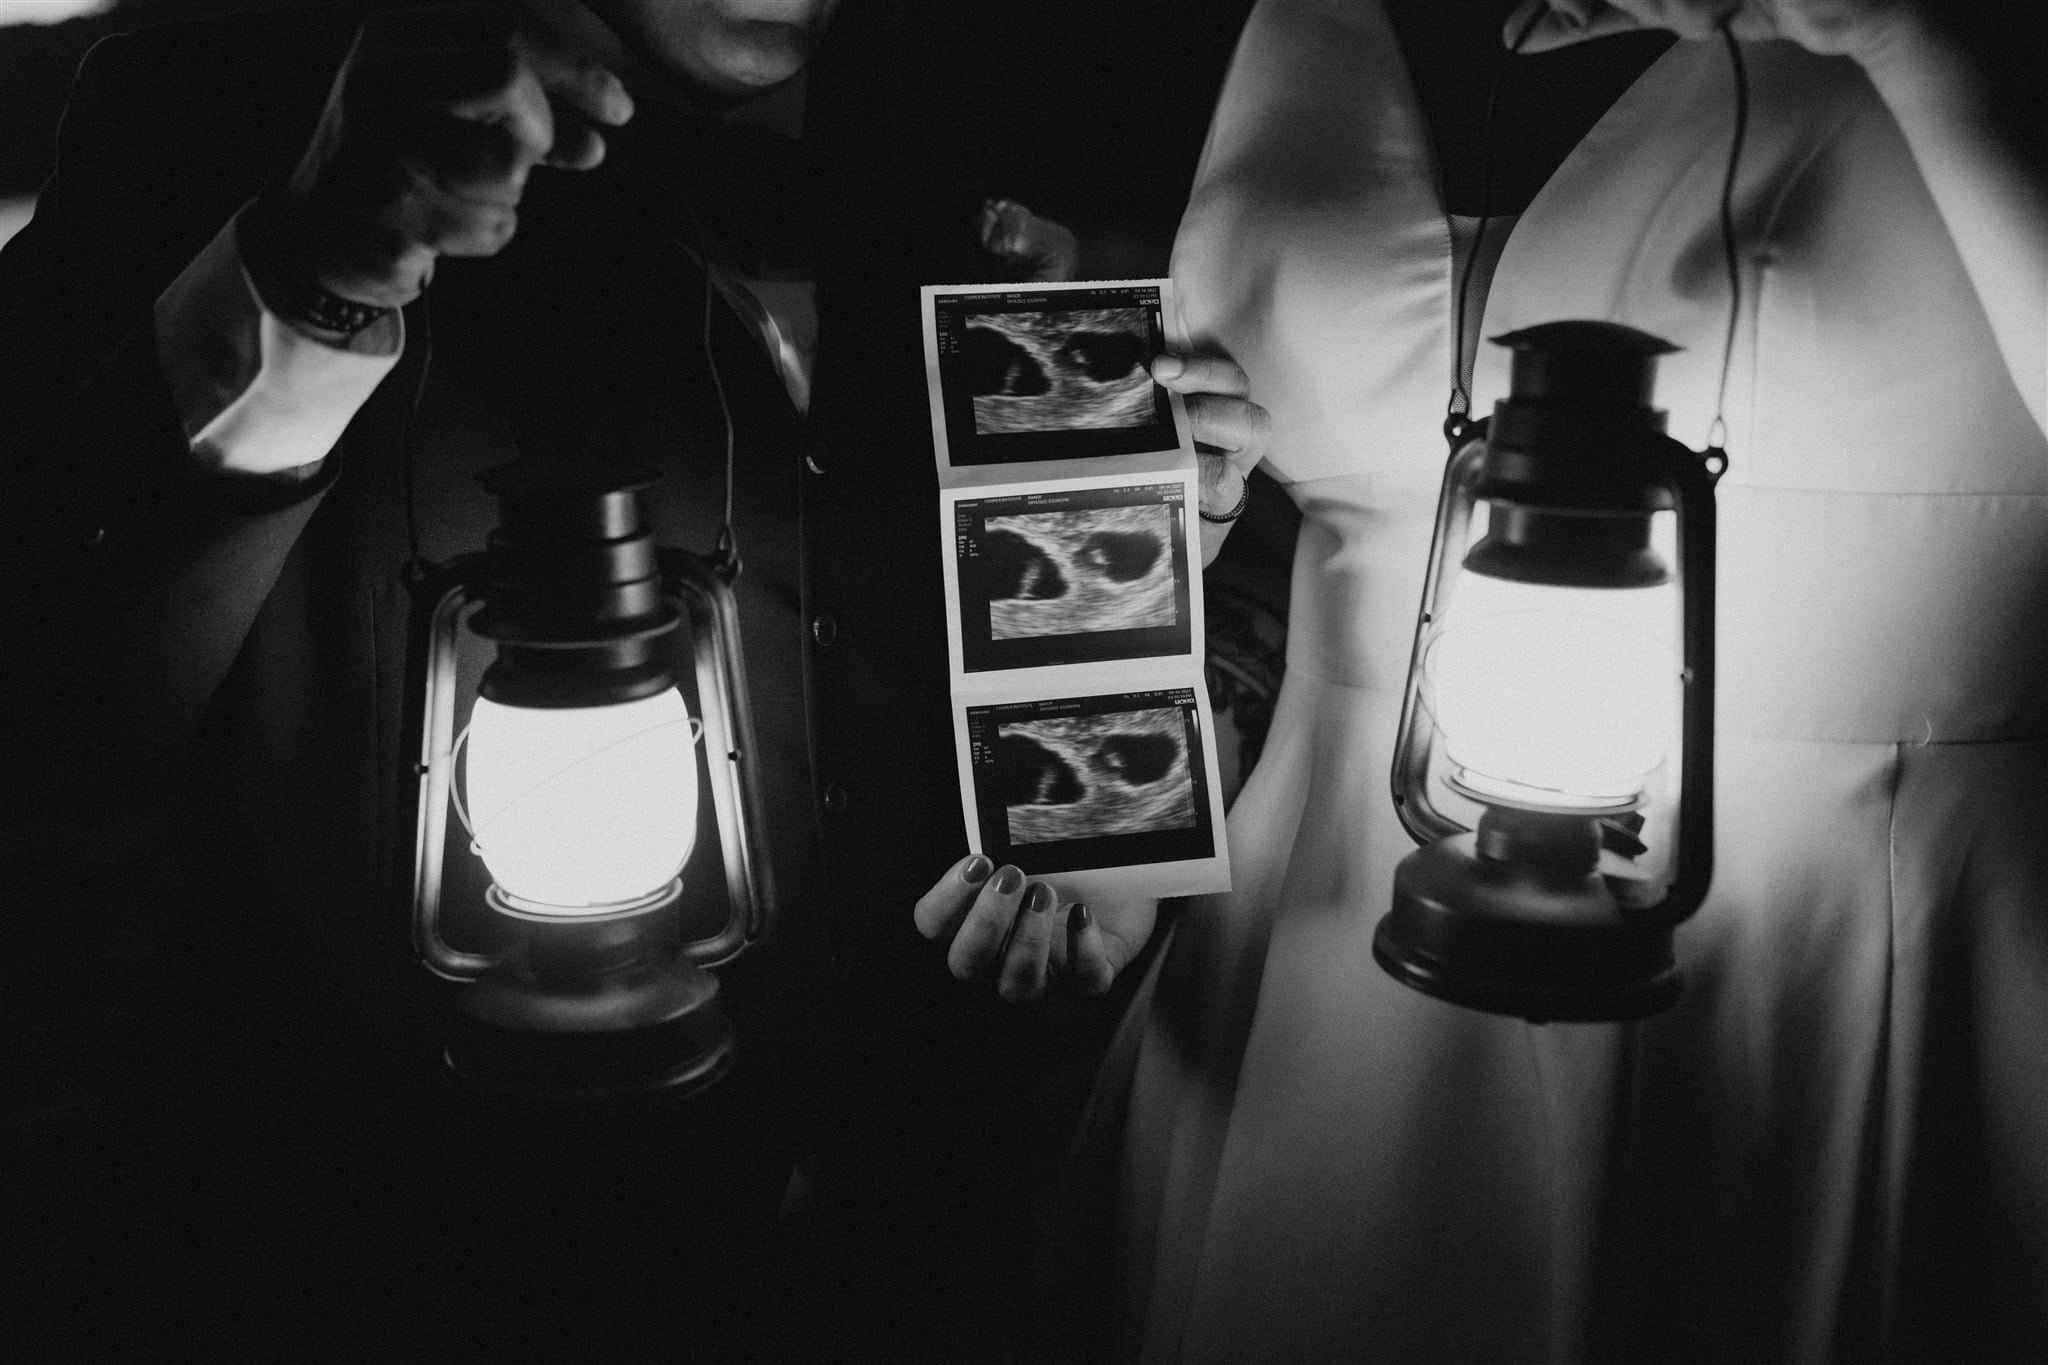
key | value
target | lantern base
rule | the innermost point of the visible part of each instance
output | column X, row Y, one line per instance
column 592, row 1009
column 1544, row 944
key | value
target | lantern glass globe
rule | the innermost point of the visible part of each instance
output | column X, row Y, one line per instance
column 581, row 810
column 1555, row 698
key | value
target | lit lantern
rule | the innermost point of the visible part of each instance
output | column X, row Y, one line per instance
column 580, row 762
column 1555, row 757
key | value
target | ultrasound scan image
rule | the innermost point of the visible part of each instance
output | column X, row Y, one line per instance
column 1080, row 369
column 1065, row 573
column 1083, row 777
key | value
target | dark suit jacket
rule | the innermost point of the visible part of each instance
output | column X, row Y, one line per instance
column 204, row 805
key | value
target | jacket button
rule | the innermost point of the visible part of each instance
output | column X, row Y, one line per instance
column 834, row 798
column 824, row 629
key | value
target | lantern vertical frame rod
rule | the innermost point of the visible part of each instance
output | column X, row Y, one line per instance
column 450, row 588
column 729, row 754
column 1694, row 475
column 1410, row 776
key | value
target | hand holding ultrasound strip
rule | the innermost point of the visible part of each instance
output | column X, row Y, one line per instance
column 1069, row 481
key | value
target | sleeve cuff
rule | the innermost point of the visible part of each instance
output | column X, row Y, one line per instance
column 255, row 395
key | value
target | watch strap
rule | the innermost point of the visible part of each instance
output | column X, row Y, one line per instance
column 288, row 285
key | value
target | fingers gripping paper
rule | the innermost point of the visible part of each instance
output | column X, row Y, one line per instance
column 1068, row 486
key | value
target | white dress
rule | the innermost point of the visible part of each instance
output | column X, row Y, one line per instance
column 1836, row 1146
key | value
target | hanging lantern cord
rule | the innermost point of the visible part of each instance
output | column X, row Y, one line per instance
column 1456, row 420
column 1717, row 431
column 416, row 568
column 726, row 558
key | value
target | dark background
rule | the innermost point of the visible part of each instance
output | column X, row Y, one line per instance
column 1093, row 112
column 1090, row 111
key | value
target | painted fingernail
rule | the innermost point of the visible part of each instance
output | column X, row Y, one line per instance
column 976, row 871
column 1008, row 880
column 1168, row 367
column 1080, row 917
column 1041, row 899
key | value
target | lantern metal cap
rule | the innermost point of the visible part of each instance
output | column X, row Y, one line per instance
column 574, row 595
column 1584, row 362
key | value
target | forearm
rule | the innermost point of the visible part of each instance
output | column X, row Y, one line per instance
column 1995, row 206
column 134, row 574
column 258, row 395
column 136, row 555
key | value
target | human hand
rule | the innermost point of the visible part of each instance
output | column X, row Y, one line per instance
column 429, row 133
column 1030, row 247
column 1000, row 922
column 1851, row 28
column 1230, row 432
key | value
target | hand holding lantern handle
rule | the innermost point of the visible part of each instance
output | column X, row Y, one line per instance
column 434, row 123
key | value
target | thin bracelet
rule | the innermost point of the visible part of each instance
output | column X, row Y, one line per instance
column 1243, row 500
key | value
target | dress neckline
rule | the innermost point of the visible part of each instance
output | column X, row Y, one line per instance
column 1616, row 122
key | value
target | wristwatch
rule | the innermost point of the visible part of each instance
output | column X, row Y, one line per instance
column 307, row 302
column 288, row 286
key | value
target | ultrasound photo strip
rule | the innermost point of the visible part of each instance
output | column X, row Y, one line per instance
column 1075, row 369
column 1068, row 778
column 1103, row 795
column 1072, row 574
column 1073, row 595
column 1051, row 372
column 1087, row 753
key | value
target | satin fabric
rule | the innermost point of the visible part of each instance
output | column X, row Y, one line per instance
column 1836, row 1146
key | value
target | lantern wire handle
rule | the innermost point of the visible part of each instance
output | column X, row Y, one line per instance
column 1456, row 421
column 416, row 567
column 727, row 555
column 1461, row 396
column 455, row 788
column 1717, row 430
